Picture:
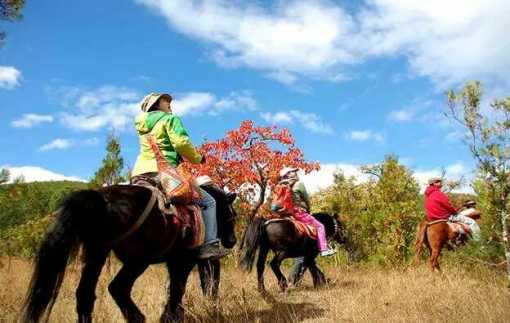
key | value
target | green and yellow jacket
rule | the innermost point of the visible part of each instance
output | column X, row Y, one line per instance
column 172, row 139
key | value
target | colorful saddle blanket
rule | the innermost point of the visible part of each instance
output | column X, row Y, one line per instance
column 190, row 216
column 303, row 229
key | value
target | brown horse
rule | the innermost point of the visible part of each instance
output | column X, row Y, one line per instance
column 95, row 219
column 435, row 235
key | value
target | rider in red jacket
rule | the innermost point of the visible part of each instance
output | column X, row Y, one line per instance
column 437, row 204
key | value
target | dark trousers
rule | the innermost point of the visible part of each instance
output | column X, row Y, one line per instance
column 298, row 270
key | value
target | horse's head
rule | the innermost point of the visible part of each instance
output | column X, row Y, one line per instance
column 225, row 214
column 332, row 225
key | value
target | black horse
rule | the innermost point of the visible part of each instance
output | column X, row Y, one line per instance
column 286, row 242
column 103, row 220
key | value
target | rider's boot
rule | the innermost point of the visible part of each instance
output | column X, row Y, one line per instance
column 212, row 251
column 328, row 252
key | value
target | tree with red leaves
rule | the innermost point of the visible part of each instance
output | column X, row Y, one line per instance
column 247, row 161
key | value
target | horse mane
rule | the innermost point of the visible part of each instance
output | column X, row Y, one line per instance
column 327, row 220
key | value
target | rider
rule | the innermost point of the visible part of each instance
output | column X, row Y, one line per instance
column 468, row 215
column 301, row 202
column 439, row 207
column 173, row 141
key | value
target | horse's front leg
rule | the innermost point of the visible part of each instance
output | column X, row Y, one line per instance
column 120, row 289
column 179, row 270
column 209, row 271
column 261, row 264
column 275, row 265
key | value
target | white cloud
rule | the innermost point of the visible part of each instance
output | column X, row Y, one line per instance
column 91, row 141
column 10, row 77
column 364, row 135
column 115, row 107
column 323, row 178
column 402, row 115
column 449, row 42
column 58, row 143
column 197, row 103
column 457, row 172
column 278, row 117
column 30, row 119
column 38, row 174
column 298, row 37
column 309, row 121
column 105, row 107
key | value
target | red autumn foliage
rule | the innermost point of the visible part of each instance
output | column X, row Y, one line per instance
column 247, row 161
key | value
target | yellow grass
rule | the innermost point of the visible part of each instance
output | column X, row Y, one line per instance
column 354, row 295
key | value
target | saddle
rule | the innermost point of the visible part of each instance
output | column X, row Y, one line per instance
column 304, row 229
column 190, row 215
column 462, row 230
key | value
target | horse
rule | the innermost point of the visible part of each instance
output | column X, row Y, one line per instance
column 283, row 238
column 435, row 235
column 109, row 219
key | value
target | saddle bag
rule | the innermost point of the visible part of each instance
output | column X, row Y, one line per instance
column 177, row 183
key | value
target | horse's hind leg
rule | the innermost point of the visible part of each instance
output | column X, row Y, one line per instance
column 120, row 289
column 85, row 294
column 435, row 246
column 261, row 264
column 317, row 275
column 275, row 265
column 179, row 272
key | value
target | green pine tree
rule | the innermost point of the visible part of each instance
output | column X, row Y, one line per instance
column 110, row 171
column 4, row 176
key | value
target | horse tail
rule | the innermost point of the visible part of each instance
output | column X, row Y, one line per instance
column 251, row 242
column 421, row 238
column 74, row 223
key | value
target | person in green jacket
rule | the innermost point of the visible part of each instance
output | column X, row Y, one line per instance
column 173, row 141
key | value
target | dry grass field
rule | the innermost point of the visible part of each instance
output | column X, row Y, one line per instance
column 353, row 295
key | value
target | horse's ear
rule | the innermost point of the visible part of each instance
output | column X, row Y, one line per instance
column 231, row 197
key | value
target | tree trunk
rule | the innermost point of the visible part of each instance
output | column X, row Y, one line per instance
column 506, row 233
column 260, row 201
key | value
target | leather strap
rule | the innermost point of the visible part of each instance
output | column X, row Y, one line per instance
column 140, row 220
column 436, row 222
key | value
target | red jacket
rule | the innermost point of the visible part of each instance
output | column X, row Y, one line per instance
column 437, row 204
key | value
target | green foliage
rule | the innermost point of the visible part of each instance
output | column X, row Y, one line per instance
column 110, row 171
column 24, row 206
column 10, row 10
column 381, row 215
column 489, row 143
column 24, row 240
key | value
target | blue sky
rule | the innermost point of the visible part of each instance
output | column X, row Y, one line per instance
column 353, row 81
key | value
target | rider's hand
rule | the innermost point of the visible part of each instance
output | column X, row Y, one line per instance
column 202, row 161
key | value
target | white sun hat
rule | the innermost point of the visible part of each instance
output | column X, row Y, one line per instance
column 287, row 170
column 149, row 100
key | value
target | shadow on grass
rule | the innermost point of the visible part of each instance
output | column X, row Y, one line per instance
column 349, row 284
column 279, row 312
